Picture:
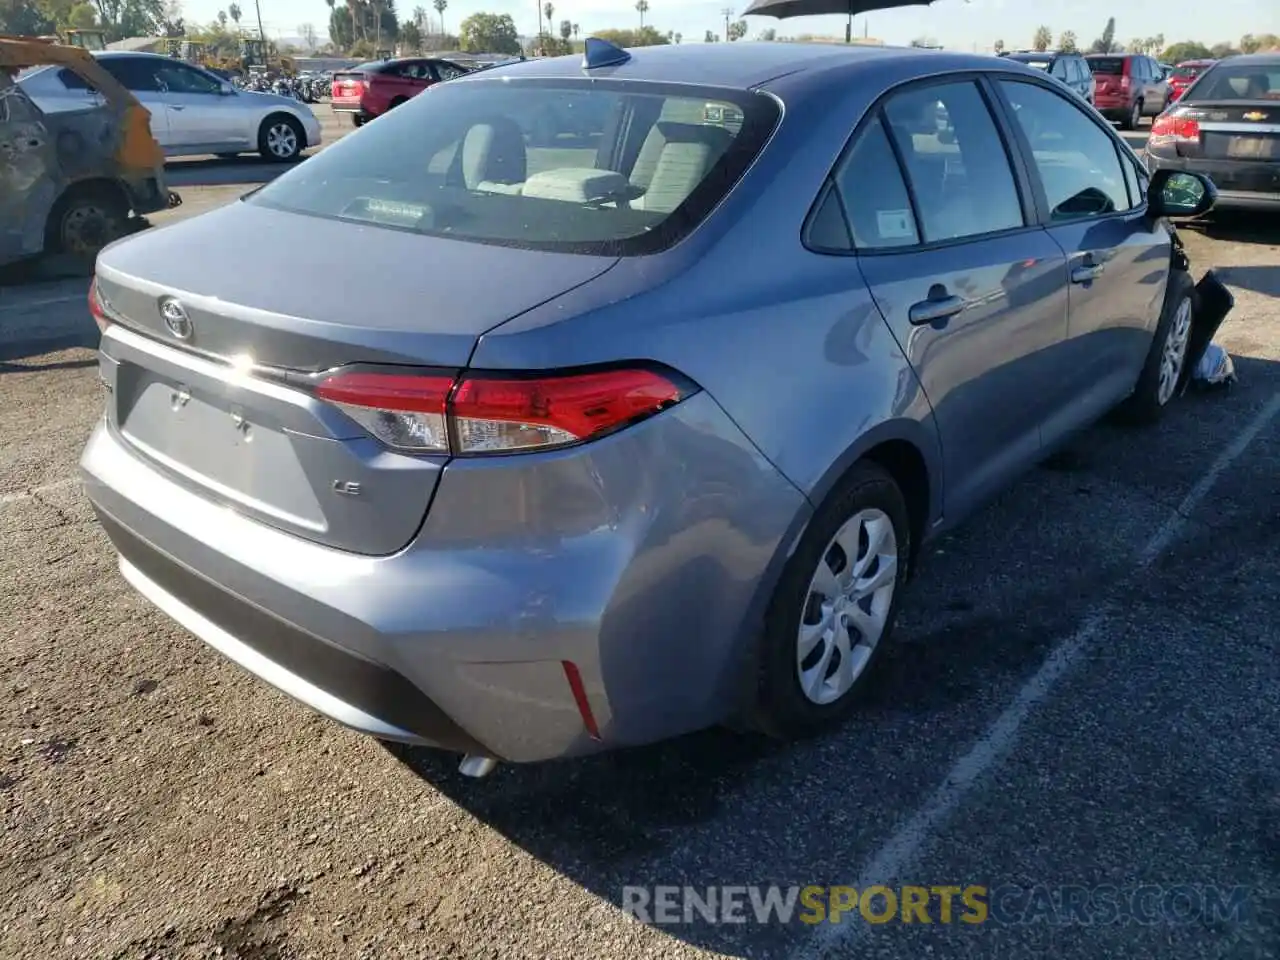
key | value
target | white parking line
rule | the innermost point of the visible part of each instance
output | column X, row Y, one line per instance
column 901, row 849
column 19, row 495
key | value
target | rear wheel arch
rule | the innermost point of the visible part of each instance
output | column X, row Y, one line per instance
column 910, row 452
column 102, row 190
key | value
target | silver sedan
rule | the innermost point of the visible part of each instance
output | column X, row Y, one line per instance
column 193, row 112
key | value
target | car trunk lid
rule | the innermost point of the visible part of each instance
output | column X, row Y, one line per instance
column 213, row 392
column 348, row 85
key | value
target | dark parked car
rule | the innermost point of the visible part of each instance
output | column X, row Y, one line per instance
column 638, row 432
column 371, row 89
column 1227, row 127
column 1130, row 86
column 1070, row 68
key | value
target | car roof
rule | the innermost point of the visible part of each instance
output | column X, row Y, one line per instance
column 738, row 65
column 1037, row 55
column 1268, row 59
column 1095, row 56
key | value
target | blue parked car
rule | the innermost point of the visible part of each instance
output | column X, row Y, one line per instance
column 587, row 442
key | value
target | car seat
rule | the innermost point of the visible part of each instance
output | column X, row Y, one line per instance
column 493, row 157
column 673, row 160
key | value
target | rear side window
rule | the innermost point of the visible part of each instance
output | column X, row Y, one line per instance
column 72, row 81
column 529, row 163
column 135, row 73
column 955, row 161
column 448, row 71
column 1110, row 66
column 874, row 194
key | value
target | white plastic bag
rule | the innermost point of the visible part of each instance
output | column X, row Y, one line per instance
column 1215, row 368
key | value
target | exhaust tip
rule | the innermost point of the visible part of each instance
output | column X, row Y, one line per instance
column 477, row 766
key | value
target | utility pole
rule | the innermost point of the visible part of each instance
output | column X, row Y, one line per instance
column 262, row 34
column 726, row 12
column 539, row 5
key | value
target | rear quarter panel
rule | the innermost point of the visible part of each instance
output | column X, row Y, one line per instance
column 787, row 341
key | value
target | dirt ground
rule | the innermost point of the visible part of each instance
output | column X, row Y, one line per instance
column 158, row 802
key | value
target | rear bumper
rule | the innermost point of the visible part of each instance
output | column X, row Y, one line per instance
column 643, row 559
column 1241, row 185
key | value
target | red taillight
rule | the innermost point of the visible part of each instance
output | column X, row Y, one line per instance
column 482, row 414
column 96, row 309
column 492, row 415
column 1169, row 128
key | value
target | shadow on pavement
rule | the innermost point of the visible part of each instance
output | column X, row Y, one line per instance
column 1234, row 227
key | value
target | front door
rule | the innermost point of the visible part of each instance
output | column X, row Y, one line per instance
column 973, row 290
column 1118, row 259
column 138, row 76
column 199, row 114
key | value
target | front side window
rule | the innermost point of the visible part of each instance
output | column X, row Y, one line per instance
column 178, row 78
column 1077, row 160
column 448, row 71
column 955, row 160
column 532, row 163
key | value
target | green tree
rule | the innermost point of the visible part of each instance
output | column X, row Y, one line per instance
column 82, row 16
column 489, row 33
column 566, row 31
column 710, row 37
column 440, row 7
column 644, row 37
column 411, row 36
column 1220, row 51
column 1186, row 50
column 1042, row 39
column 234, row 13
column 1107, row 42
column 1067, row 42
column 736, row 30
column 769, row 35
column 1249, row 44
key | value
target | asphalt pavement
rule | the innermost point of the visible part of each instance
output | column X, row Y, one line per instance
column 1078, row 726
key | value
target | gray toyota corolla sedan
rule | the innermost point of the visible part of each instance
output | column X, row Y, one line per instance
column 528, row 445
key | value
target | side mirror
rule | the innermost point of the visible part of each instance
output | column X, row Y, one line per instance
column 226, row 89
column 1174, row 193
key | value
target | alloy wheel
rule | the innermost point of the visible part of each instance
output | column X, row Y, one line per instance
column 86, row 229
column 1174, row 354
column 282, row 140
column 847, row 606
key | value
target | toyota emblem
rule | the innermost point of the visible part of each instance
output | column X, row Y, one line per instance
column 176, row 319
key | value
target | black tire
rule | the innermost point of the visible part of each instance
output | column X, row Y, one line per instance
column 357, row 120
column 274, row 141
column 84, row 220
column 1146, row 404
column 781, row 708
column 1133, row 119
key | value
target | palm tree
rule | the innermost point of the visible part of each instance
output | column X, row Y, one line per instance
column 643, row 7
column 575, row 31
column 441, row 6
column 351, row 6
column 549, row 9
column 234, row 13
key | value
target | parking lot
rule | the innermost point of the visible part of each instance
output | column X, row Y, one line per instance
column 1083, row 691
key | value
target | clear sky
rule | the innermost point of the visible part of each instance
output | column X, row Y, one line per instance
column 953, row 23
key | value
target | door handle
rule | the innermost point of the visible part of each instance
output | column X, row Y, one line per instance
column 176, row 106
column 1088, row 272
column 935, row 309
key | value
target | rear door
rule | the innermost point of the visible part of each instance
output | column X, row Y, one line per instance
column 973, row 290
column 1118, row 259
column 138, row 75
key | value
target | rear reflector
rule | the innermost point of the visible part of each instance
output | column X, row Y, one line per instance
column 494, row 414
column 96, row 310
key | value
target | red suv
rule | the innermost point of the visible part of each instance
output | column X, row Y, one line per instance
column 373, row 88
column 1130, row 86
column 1184, row 75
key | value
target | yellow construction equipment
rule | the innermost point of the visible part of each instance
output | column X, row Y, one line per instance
column 87, row 39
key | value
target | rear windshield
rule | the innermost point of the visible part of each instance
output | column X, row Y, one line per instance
column 1238, row 81
column 373, row 66
column 1185, row 72
column 1111, row 66
column 585, row 166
